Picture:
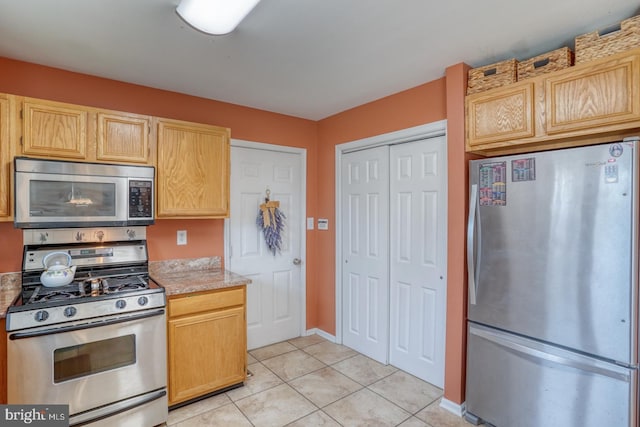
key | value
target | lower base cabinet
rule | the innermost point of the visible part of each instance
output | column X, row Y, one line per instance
column 207, row 343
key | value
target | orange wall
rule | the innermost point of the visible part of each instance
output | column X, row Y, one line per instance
column 205, row 237
column 437, row 100
column 10, row 248
column 413, row 107
column 427, row 103
column 458, row 178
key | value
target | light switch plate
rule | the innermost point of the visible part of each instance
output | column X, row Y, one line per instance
column 310, row 223
column 182, row 237
column 323, row 224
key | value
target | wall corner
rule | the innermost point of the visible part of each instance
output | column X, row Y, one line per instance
column 455, row 347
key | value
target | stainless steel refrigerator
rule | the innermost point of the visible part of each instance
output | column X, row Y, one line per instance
column 552, row 252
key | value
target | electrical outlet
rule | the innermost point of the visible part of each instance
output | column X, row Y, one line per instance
column 310, row 223
column 182, row 237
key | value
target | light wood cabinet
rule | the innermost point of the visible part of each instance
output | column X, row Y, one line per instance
column 63, row 131
column 604, row 94
column 192, row 170
column 7, row 129
column 191, row 159
column 123, row 138
column 207, row 347
column 54, row 129
column 501, row 116
column 593, row 102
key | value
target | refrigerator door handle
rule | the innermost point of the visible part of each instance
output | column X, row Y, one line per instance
column 471, row 234
column 582, row 365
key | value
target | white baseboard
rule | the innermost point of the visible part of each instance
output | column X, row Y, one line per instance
column 322, row 333
column 452, row 407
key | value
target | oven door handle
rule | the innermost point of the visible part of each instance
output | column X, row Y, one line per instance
column 51, row 331
column 77, row 421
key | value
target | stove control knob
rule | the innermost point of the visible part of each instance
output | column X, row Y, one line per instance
column 121, row 304
column 41, row 315
column 70, row 311
column 143, row 300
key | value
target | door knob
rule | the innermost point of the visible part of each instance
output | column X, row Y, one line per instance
column 297, row 261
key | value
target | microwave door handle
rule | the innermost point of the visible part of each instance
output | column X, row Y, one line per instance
column 471, row 240
column 80, row 327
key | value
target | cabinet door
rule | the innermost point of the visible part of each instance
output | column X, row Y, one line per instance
column 123, row 137
column 207, row 352
column 500, row 115
column 604, row 94
column 6, row 132
column 54, row 129
column 193, row 170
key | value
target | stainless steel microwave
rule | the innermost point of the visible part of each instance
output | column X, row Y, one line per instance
column 54, row 194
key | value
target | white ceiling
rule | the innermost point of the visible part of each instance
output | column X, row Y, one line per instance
column 305, row 58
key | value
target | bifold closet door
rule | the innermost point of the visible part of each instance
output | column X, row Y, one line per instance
column 418, row 236
column 394, row 234
column 365, row 255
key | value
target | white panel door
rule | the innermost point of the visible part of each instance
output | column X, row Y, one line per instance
column 365, row 255
column 274, row 298
column 418, row 258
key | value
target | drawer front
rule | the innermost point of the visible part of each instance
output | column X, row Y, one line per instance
column 514, row 381
column 206, row 302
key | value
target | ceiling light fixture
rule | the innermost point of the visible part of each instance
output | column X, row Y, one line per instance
column 217, row 17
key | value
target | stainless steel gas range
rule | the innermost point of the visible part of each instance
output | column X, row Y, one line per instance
column 98, row 343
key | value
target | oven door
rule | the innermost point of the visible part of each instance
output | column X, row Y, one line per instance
column 89, row 365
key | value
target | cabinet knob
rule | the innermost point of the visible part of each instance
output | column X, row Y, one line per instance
column 297, row 261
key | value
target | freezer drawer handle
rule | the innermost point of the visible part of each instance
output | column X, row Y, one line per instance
column 553, row 358
column 471, row 232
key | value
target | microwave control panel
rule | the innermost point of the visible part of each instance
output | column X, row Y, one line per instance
column 140, row 199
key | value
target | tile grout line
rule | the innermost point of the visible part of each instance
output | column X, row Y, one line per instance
column 332, row 365
column 243, row 414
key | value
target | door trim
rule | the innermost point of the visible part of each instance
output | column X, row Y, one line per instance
column 416, row 133
column 303, row 216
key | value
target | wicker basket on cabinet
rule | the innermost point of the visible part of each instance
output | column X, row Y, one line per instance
column 594, row 45
column 491, row 76
column 555, row 60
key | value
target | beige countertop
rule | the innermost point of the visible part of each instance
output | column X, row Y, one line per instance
column 177, row 277
column 10, row 284
column 184, row 276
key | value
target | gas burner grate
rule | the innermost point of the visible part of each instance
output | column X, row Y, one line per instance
column 123, row 284
column 43, row 294
column 89, row 288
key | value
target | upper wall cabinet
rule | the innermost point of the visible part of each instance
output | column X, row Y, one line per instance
column 501, row 116
column 53, row 129
column 7, row 128
column 593, row 102
column 123, row 137
column 74, row 132
column 605, row 94
column 192, row 170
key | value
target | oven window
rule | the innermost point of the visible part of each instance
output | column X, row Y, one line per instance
column 74, row 199
column 98, row 356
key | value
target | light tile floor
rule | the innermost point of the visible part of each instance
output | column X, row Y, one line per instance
column 309, row 381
